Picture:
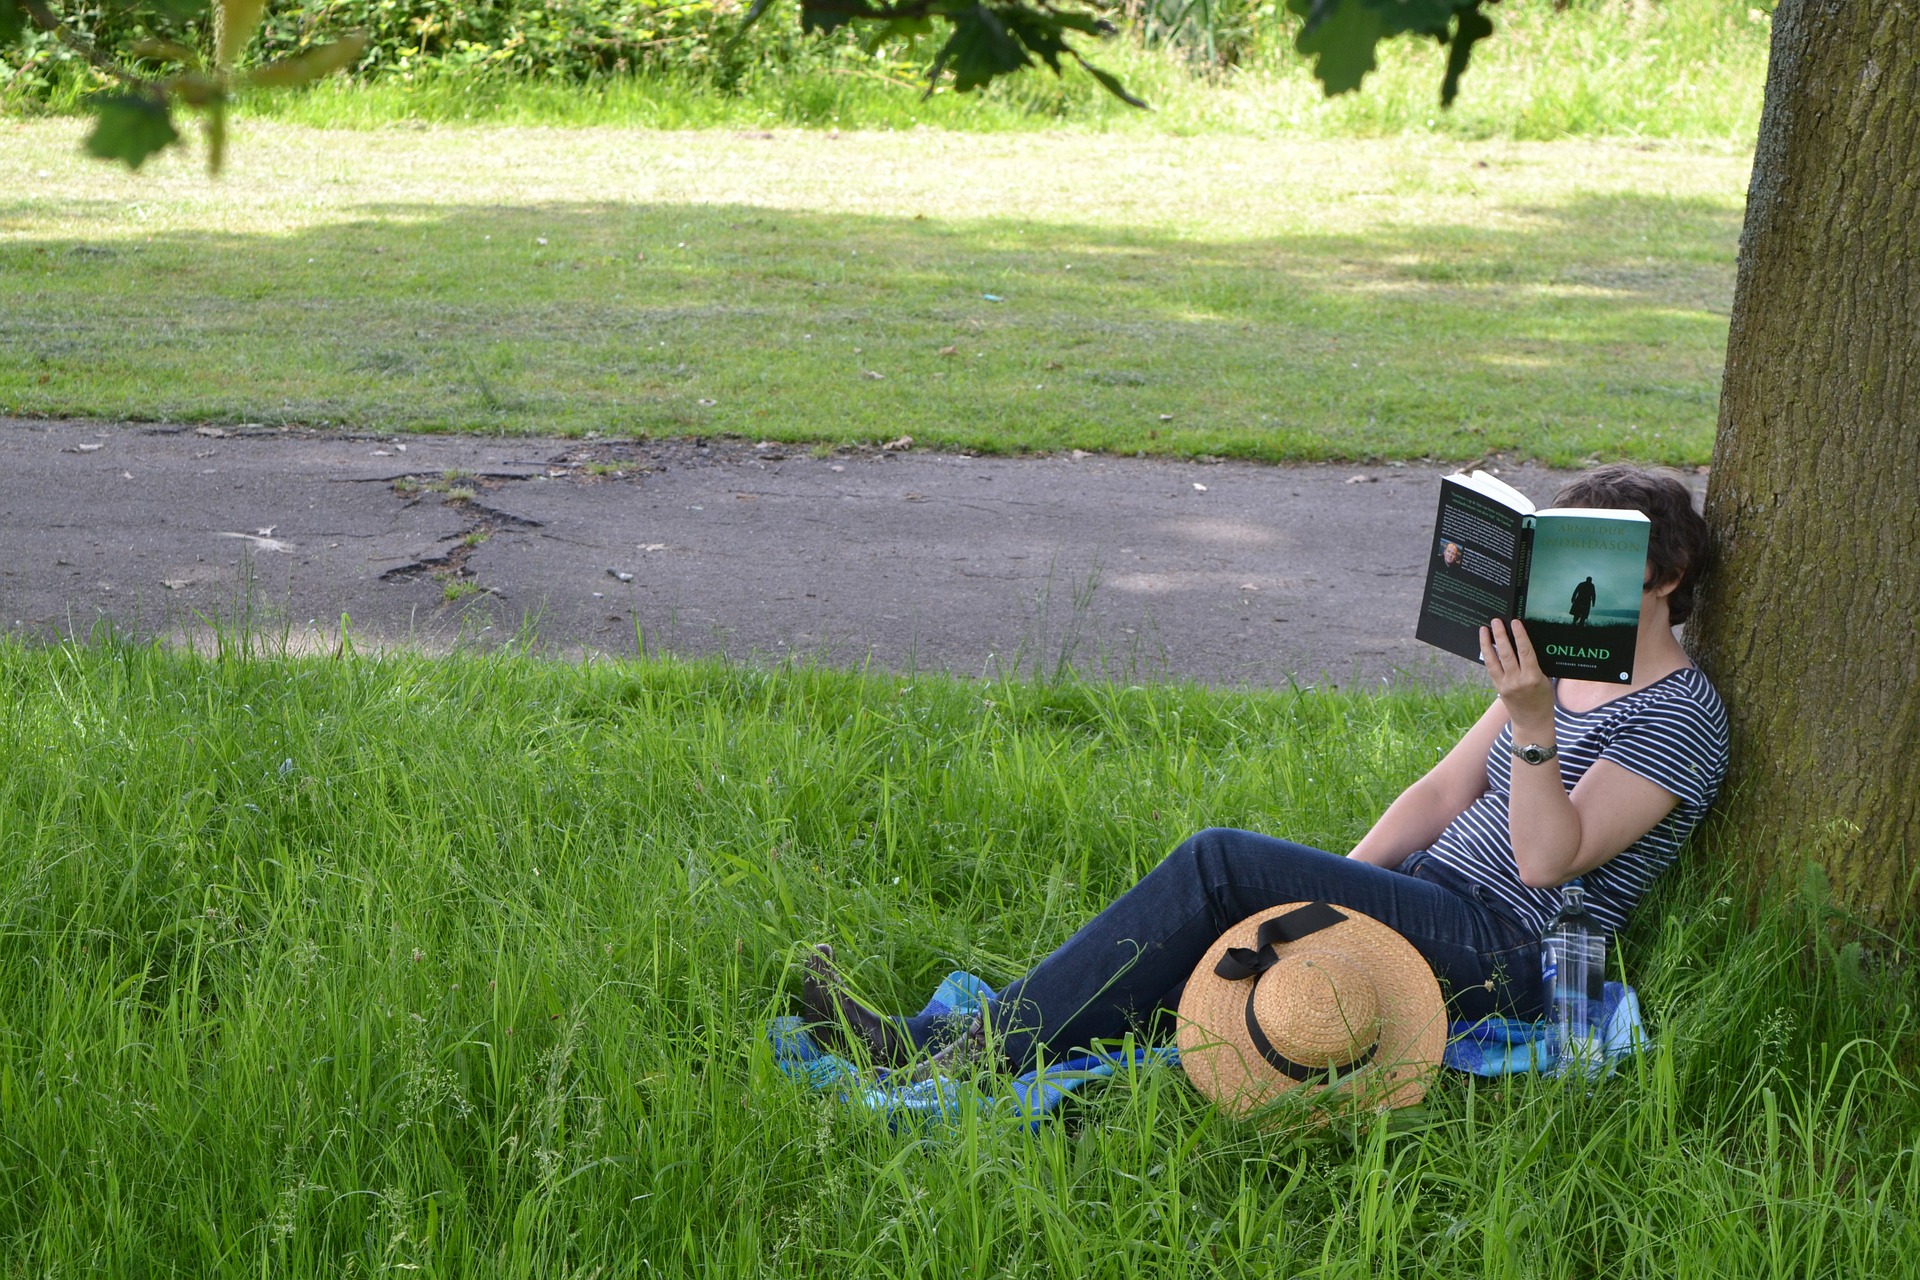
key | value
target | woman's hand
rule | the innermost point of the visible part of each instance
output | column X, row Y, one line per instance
column 1524, row 689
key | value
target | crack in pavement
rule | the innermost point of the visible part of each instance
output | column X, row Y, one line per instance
column 1121, row 567
column 453, row 562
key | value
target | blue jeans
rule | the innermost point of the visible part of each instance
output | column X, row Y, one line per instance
column 1133, row 959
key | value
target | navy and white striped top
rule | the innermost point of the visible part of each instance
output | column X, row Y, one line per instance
column 1672, row 733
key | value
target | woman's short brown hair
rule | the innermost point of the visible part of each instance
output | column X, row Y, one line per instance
column 1677, row 543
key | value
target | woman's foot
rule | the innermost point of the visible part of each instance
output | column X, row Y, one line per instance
column 843, row 1021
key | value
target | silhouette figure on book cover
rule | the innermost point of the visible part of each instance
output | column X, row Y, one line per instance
column 1583, row 602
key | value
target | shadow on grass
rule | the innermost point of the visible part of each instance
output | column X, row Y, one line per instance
column 1596, row 327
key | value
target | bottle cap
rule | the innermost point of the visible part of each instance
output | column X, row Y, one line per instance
column 1573, row 897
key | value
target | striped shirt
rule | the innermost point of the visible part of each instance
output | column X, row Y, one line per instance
column 1672, row 733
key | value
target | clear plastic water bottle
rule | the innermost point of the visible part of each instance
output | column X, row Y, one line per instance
column 1573, row 958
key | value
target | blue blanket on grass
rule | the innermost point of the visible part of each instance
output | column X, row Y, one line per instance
column 1494, row 1047
column 1027, row 1098
column 1504, row 1047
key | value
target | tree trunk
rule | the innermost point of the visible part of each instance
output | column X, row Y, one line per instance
column 1808, row 624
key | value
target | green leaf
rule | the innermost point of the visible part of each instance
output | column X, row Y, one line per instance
column 888, row 31
column 305, row 68
column 828, row 16
column 822, row 20
column 1112, row 85
column 238, row 21
column 979, row 49
column 1085, row 23
column 1339, row 35
column 1422, row 17
column 1816, row 890
column 132, row 126
column 1474, row 27
column 13, row 20
column 1313, row 13
column 1039, row 31
column 164, row 51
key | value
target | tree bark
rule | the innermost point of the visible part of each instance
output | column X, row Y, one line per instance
column 1808, row 622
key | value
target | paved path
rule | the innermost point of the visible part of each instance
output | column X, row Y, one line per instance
column 1226, row 573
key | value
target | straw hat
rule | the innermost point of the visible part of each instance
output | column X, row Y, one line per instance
column 1311, row 995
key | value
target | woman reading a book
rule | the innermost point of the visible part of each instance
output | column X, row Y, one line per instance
column 1557, row 780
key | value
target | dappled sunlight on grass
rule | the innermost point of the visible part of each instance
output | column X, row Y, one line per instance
column 1515, row 360
column 1229, row 317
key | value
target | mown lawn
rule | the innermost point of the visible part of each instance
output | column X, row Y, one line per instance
column 1278, row 298
column 456, row 968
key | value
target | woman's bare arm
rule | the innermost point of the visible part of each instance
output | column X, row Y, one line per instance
column 1423, row 810
column 1557, row 834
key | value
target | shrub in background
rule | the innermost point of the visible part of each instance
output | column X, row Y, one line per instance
column 1637, row 68
column 567, row 39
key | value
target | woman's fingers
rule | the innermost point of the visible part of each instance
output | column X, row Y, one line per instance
column 1523, row 649
column 1496, row 650
column 1503, row 645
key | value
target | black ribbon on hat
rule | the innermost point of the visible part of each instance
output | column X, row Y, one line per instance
column 1241, row 963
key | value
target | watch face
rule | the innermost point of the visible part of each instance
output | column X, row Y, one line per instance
column 1533, row 754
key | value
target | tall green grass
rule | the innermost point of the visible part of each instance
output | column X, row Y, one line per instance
column 354, row 965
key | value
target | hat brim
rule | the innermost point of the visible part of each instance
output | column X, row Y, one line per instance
column 1218, row 1052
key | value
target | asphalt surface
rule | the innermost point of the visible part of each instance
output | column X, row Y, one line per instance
column 1226, row 573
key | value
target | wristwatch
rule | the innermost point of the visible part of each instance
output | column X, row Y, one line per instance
column 1532, row 753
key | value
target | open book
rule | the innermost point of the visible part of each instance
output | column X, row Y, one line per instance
column 1573, row 574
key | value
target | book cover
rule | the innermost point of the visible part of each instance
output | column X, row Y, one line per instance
column 1574, row 575
column 1581, row 604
